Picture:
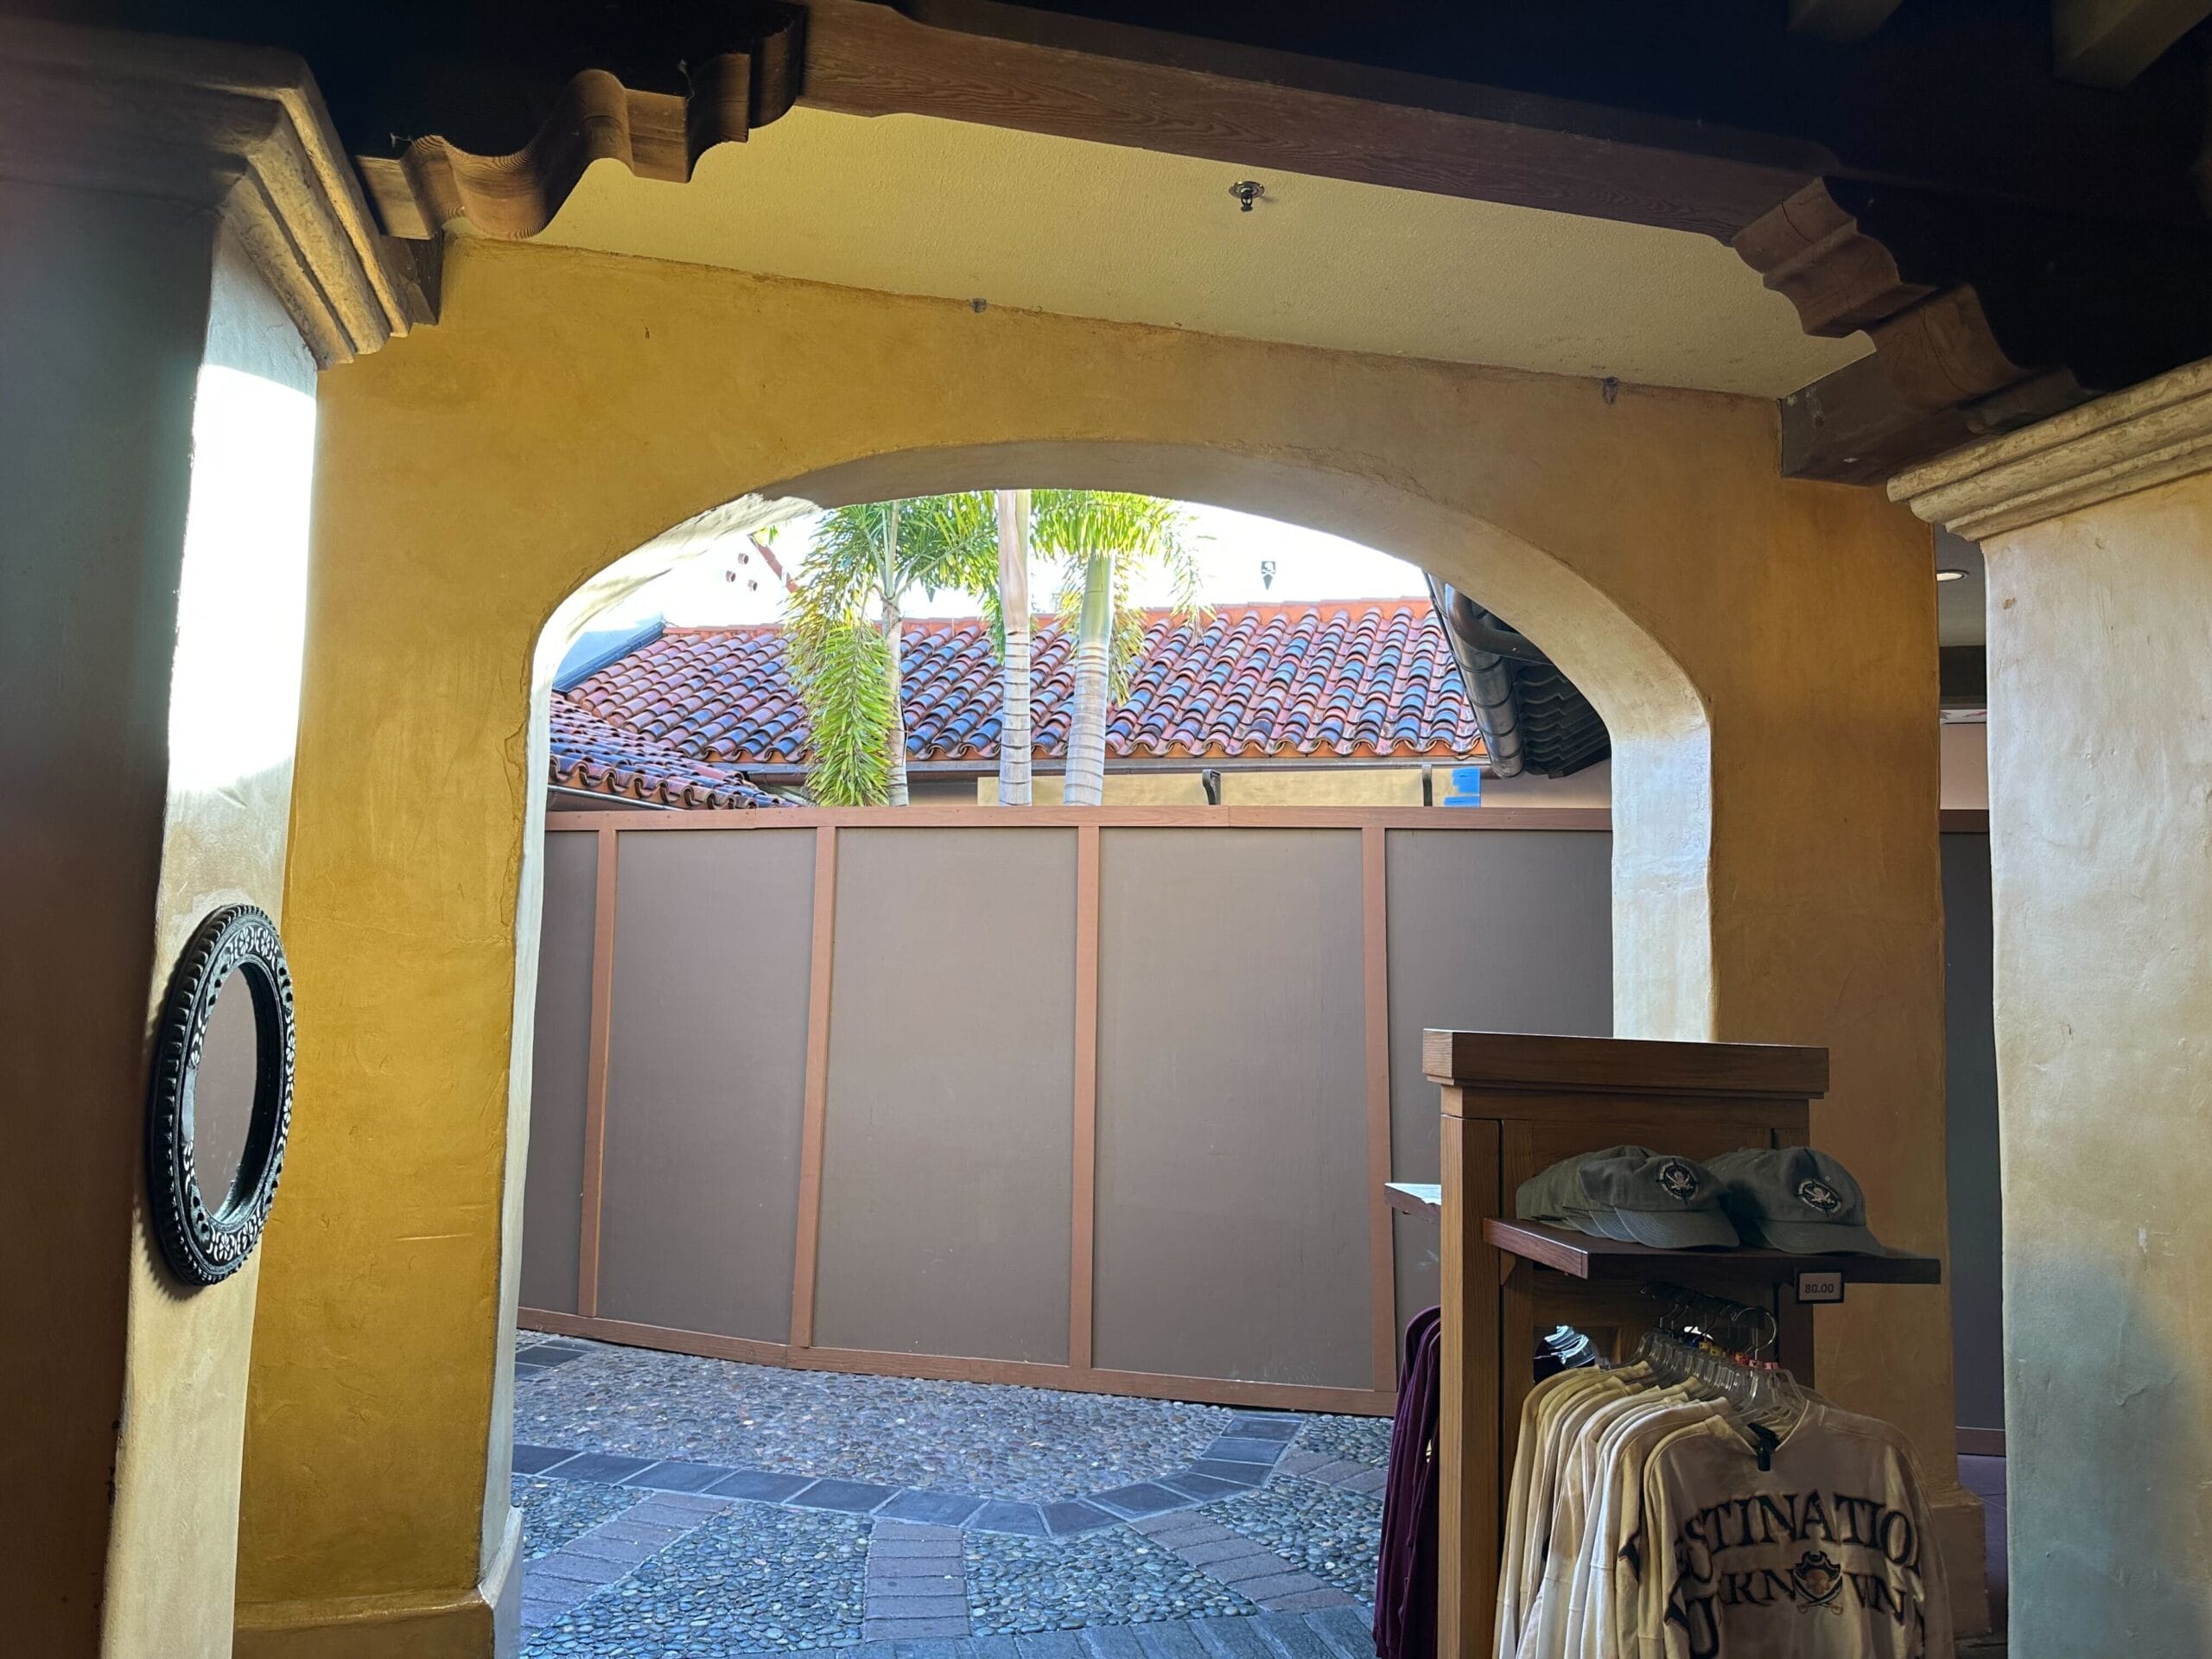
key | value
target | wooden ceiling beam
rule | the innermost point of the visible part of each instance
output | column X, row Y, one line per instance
column 2109, row 42
column 1251, row 107
column 2009, row 250
column 1840, row 21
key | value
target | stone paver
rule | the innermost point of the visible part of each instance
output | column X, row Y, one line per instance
column 915, row 1583
column 1251, row 1570
column 566, row 1577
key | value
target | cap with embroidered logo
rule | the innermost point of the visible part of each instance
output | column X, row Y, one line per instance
column 1633, row 1194
column 1797, row 1199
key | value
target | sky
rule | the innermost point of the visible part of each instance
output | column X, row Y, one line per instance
column 733, row 585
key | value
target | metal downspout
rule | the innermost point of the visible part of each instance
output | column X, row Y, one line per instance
column 1489, row 682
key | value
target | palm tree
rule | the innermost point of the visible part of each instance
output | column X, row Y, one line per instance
column 843, row 609
column 1104, row 541
column 842, row 626
column 1014, row 510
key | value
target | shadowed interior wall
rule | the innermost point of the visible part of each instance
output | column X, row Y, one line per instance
column 156, row 437
column 946, row 1147
column 1232, row 1163
column 561, row 1049
column 1518, row 939
column 706, row 1069
column 1970, row 1097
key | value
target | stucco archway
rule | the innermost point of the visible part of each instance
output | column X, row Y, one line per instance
column 1763, row 651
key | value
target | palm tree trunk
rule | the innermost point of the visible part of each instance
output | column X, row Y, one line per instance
column 891, row 621
column 1086, row 777
column 1014, row 607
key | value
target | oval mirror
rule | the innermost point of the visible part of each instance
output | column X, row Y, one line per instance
column 221, row 1103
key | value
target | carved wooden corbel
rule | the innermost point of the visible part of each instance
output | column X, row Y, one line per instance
column 1984, row 318
column 655, row 135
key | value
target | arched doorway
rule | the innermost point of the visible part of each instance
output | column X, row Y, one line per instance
column 1774, row 774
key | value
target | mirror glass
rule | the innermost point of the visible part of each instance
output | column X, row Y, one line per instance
column 218, row 1100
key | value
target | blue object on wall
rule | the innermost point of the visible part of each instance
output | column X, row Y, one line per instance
column 1466, row 787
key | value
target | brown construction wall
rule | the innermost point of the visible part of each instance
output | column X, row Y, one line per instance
column 945, row 1191
column 1089, row 1098
column 560, row 1051
column 1516, row 938
column 707, row 1058
column 1232, row 1203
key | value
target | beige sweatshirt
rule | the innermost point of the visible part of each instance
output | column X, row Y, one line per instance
column 1825, row 1554
column 1529, row 1497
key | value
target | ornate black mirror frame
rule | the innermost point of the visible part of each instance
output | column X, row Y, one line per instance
column 205, row 1247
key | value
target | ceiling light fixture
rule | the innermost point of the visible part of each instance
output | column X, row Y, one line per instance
column 1950, row 575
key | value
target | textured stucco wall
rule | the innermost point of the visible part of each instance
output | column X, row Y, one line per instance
column 1763, row 650
column 2101, row 772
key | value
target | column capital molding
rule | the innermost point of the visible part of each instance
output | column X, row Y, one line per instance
column 2148, row 434
column 240, row 132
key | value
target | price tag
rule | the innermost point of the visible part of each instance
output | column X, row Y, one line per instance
column 1820, row 1286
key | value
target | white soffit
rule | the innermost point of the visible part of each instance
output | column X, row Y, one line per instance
column 914, row 205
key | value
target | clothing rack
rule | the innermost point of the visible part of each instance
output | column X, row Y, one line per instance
column 1513, row 1106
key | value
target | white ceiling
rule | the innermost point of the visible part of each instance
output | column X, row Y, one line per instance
column 1962, row 606
column 913, row 205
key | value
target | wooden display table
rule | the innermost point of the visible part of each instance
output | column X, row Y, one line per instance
column 1513, row 1106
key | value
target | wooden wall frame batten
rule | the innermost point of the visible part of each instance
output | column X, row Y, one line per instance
column 945, row 1368
column 815, row 1106
column 605, row 882
column 1084, row 1201
column 1587, row 819
column 1374, row 978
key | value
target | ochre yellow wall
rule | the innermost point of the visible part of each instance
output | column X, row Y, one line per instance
column 1764, row 652
column 2101, row 845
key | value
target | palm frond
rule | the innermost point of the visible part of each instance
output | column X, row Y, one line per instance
column 842, row 669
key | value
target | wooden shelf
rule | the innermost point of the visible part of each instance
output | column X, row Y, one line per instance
column 1415, row 1197
column 1582, row 1256
column 1621, row 1065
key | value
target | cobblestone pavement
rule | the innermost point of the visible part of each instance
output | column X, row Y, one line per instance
column 703, row 1508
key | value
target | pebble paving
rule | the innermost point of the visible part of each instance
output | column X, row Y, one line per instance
column 790, row 1575
column 753, row 1579
column 556, row 1511
column 1113, row 1576
column 1033, row 1445
column 1334, row 1535
column 1364, row 1440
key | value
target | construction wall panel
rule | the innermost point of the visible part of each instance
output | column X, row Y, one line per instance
column 707, row 1062
column 1233, row 1185
column 553, row 1177
column 1489, row 931
column 946, row 1153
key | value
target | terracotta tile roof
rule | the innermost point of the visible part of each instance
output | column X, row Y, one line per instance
column 590, row 754
column 1358, row 678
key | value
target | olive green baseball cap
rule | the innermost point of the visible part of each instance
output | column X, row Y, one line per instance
column 1797, row 1199
column 1632, row 1194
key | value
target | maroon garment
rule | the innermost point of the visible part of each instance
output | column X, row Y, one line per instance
column 1405, row 1576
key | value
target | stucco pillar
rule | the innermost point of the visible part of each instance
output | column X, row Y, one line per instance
column 156, row 439
column 2097, row 528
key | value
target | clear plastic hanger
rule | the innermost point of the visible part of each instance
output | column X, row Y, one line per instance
column 1773, row 1398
